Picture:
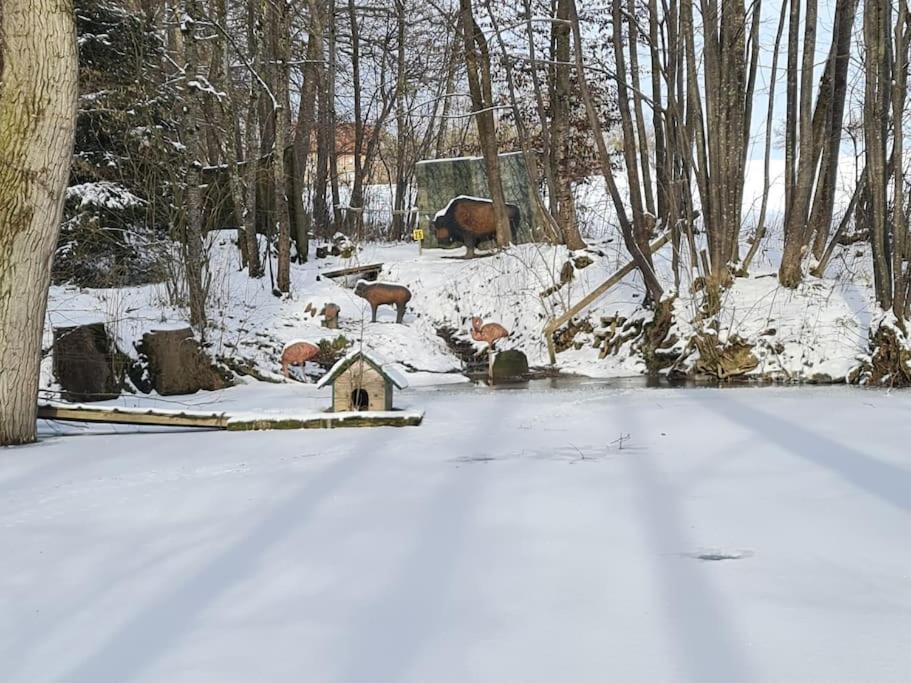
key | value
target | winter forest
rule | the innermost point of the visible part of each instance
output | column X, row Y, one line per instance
column 572, row 335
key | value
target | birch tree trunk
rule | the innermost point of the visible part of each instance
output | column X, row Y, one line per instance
column 38, row 74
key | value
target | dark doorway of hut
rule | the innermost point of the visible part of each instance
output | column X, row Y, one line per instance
column 360, row 399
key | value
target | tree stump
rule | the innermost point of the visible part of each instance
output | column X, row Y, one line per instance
column 177, row 364
column 509, row 365
column 86, row 363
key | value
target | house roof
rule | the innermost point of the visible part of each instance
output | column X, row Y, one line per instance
column 384, row 367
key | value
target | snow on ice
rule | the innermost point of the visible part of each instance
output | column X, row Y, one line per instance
column 573, row 532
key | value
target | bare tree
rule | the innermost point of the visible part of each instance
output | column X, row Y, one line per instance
column 813, row 136
column 632, row 235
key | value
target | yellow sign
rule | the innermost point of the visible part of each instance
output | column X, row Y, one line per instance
column 418, row 235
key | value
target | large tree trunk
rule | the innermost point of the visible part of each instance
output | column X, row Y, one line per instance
column 38, row 74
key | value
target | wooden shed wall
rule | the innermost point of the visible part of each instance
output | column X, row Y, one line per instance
column 361, row 375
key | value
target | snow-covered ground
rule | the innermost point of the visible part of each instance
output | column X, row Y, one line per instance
column 542, row 534
column 815, row 332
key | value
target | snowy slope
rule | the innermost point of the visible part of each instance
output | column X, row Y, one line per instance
column 814, row 332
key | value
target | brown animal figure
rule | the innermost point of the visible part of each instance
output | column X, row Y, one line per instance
column 330, row 314
column 470, row 220
column 297, row 353
column 489, row 333
column 380, row 293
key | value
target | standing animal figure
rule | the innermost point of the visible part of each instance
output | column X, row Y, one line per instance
column 380, row 293
column 489, row 333
column 330, row 315
column 297, row 353
column 470, row 220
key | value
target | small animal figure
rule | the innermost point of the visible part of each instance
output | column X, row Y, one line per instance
column 380, row 293
column 470, row 220
column 297, row 353
column 330, row 314
column 489, row 333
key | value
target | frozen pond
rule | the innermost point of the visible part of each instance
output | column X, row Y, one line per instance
column 598, row 532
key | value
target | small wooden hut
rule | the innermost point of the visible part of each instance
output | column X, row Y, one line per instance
column 362, row 381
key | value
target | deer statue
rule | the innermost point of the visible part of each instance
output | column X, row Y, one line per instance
column 489, row 333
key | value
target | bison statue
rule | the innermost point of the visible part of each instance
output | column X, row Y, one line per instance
column 470, row 220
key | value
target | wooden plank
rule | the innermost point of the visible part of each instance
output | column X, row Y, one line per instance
column 150, row 417
column 592, row 296
column 326, row 421
column 352, row 271
column 106, row 414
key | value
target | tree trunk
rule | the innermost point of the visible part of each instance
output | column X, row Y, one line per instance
column 477, row 61
column 400, row 180
column 824, row 196
column 875, row 35
column 560, row 108
column 193, row 251
column 642, row 137
column 251, row 150
column 279, row 22
column 901, row 274
column 303, row 130
column 331, row 121
column 37, row 119
column 229, row 124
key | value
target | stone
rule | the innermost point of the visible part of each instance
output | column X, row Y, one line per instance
column 510, row 365
column 86, row 363
column 178, row 365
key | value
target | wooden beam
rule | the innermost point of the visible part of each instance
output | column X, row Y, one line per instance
column 373, row 267
column 554, row 324
column 151, row 417
column 327, row 421
column 160, row 418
